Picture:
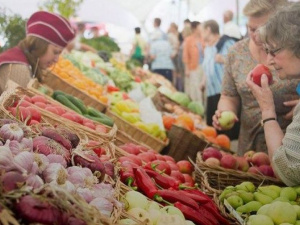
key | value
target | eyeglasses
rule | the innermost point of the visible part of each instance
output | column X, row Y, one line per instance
column 273, row 52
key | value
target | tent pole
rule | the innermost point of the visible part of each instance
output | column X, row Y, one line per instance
column 237, row 12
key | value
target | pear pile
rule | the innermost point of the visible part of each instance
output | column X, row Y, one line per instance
column 265, row 205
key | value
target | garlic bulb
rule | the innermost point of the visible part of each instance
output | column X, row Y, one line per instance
column 103, row 205
column 81, row 177
column 11, row 132
column 53, row 158
column 15, row 147
column 103, row 190
column 56, row 173
column 25, row 160
column 85, row 193
column 27, row 144
column 69, row 187
column 42, row 162
column 1, row 144
column 34, row 181
column 6, row 158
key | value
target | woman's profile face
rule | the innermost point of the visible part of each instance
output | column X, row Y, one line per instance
column 50, row 57
column 253, row 24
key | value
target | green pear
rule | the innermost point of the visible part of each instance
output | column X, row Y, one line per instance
column 246, row 196
column 264, row 209
column 281, row 199
column 269, row 192
column 282, row 212
column 293, row 203
column 249, row 207
column 234, row 193
column 297, row 209
column 259, row 220
column 289, row 192
column 246, row 186
column 263, row 199
column 297, row 222
column 275, row 188
column 227, row 120
column 297, row 189
column 235, row 201
column 227, row 190
column 286, row 224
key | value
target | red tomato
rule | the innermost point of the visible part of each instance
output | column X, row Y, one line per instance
column 41, row 105
column 39, row 98
column 36, row 115
column 258, row 71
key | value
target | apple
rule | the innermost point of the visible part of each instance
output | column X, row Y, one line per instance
column 212, row 162
column 154, row 215
column 229, row 162
column 211, row 152
column 243, row 164
column 253, row 169
column 147, row 156
column 171, row 210
column 260, row 158
column 258, row 71
column 227, row 120
column 169, row 158
column 134, row 199
column 178, row 176
column 173, row 165
column 185, row 167
column 266, row 170
column 248, row 155
column 140, row 214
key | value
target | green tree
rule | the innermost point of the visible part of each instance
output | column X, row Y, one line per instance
column 12, row 29
column 66, row 8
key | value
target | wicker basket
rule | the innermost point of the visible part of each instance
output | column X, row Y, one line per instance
column 136, row 133
column 216, row 178
column 184, row 144
column 53, row 118
column 56, row 83
column 122, row 138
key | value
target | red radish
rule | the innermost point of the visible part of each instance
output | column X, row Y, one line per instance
column 101, row 128
column 39, row 98
column 54, row 135
column 33, row 122
column 36, row 115
column 86, row 120
column 188, row 178
column 41, row 105
column 60, row 110
column 35, row 210
column 78, row 118
column 21, row 113
column 109, row 169
column 90, row 125
column 25, row 103
column 69, row 116
column 52, row 109
column 27, row 98
column 48, row 146
column 104, row 158
column 12, row 180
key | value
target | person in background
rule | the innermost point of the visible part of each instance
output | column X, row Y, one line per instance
column 215, row 52
column 47, row 34
column 139, row 46
column 181, row 72
column 230, row 28
column 157, row 29
column 187, row 23
column 235, row 95
column 280, row 36
column 193, row 54
column 161, row 54
column 173, row 38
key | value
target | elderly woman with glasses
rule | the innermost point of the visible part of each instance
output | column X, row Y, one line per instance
column 235, row 95
column 281, row 37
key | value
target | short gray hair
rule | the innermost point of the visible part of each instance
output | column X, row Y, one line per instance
column 283, row 29
column 258, row 8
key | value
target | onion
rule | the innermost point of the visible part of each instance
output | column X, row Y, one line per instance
column 86, row 194
column 34, row 181
column 11, row 131
column 81, row 177
column 109, row 169
column 12, row 180
column 53, row 158
column 75, row 221
column 34, row 210
column 103, row 205
column 56, row 173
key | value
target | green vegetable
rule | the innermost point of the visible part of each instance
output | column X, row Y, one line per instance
column 196, row 107
column 66, row 102
column 78, row 103
column 105, row 121
column 181, row 98
column 58, row 92
column 94, row 112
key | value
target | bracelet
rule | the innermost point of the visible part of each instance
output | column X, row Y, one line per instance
column 266, row 120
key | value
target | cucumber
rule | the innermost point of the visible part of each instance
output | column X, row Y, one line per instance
column 66, row 102
column 78, row 103
column 94, row 112
column 58, row 92
column 104, row 121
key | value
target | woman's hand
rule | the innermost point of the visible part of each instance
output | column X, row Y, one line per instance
column 216, row 117
column 263, row 95
column 293, row 104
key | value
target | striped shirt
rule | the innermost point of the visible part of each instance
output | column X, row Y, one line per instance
column 214, row 71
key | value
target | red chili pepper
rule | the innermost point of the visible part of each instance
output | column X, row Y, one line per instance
column 193, row 215
column 173, row 196
column 127, row 178
column 211, row 207
column 199, row 199
column 144, row 182
column 197, row 192
column 163, row 181
column 111, row 88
